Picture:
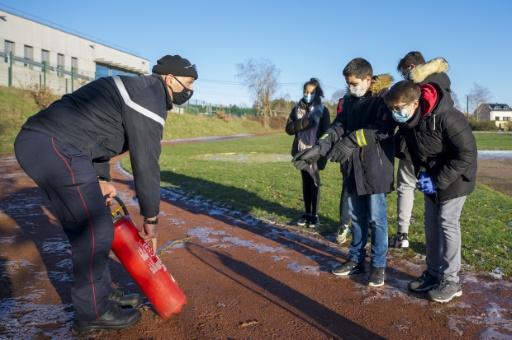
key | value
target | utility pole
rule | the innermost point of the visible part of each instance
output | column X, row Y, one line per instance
column 467, row 105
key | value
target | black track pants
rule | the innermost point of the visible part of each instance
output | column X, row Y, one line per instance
column 68, row 178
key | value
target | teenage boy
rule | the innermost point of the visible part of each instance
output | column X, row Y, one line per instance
column 362, row 136
column 444, row 154
column 412, row 67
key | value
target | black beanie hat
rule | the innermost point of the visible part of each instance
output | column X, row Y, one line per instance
column 175, row 65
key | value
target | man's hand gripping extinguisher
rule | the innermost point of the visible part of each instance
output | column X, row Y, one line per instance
column 146, row 269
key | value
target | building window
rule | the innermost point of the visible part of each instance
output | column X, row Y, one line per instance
column 102, row 71
column 118, row 72
column 28, row 54
column 496, row 118
column 45, row 57
column 60, row 63
column 106, row 71
column 8, row 48
column 74, row 64
column 506, row 118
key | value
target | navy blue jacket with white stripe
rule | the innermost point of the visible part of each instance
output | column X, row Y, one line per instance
column 110, row 116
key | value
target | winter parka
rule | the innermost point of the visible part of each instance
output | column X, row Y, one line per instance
column 370, row 169
column 109, row 116
column 433, row 71
column 442, row 145
column 294, row 126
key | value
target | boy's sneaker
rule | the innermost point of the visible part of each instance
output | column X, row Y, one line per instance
column 377, row 276
column 423, row 283
column 315, row 222
column 303, row 220
column 349, row 268
column 342, row 234
column 445, row 291
column 399, row 240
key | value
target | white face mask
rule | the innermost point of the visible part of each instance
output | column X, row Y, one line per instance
column 357, row 91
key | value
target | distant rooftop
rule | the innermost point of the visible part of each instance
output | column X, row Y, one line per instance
column 499, row 107
column 65, row 29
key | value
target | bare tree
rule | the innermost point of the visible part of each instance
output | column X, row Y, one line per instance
column 478, row 95
column 456, row 102
column 260, row 77
column 337, row 95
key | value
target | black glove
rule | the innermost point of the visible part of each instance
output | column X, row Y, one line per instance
column 341, row 150
column 344, row 148
column 306, row 157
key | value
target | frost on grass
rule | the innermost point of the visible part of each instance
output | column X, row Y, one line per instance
column 497, row 155
column 252, row 157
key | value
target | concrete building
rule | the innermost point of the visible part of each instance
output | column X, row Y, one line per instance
column 501, row 114
column 35, row 54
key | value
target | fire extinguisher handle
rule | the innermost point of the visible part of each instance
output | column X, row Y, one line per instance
column 121, row 203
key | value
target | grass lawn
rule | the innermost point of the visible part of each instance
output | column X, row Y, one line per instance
column 493, row 141
column 255, row 176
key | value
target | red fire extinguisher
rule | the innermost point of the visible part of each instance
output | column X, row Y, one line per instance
column 146, row 269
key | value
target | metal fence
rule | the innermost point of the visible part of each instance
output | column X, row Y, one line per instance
column 25, row 73
column 29, row 74
column 196, row 106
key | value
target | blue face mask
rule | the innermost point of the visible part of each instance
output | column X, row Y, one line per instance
column 308, row 98
column 400, row 116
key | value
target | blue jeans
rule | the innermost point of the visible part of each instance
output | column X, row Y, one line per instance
column 368, row 212
column 344, row 215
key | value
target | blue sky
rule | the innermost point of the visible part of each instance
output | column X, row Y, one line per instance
column 303, row 39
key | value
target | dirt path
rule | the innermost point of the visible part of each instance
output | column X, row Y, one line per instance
column 243, row 278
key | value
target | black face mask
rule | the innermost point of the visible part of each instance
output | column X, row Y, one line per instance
column 181, row 97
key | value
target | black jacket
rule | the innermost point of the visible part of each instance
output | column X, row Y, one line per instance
column 433, row 71
column 442, row 145
column 294, row 126
column 370, row 170
column 106, row 118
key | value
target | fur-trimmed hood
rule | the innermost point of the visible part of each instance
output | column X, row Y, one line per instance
column 380, row 82
column 419, row 73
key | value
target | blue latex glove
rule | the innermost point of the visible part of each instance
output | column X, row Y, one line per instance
column 425, row 184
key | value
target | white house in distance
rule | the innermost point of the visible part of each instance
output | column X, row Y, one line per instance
column 501, row 114
column 36, row 54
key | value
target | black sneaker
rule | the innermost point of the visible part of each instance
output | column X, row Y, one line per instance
column 399, row 240
column 349, row 268
column 303, row 220
column 377, row 276
column 115, row 318
column 314, row 223
column 445, row 291
column 124, row 300
column 423, row 283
